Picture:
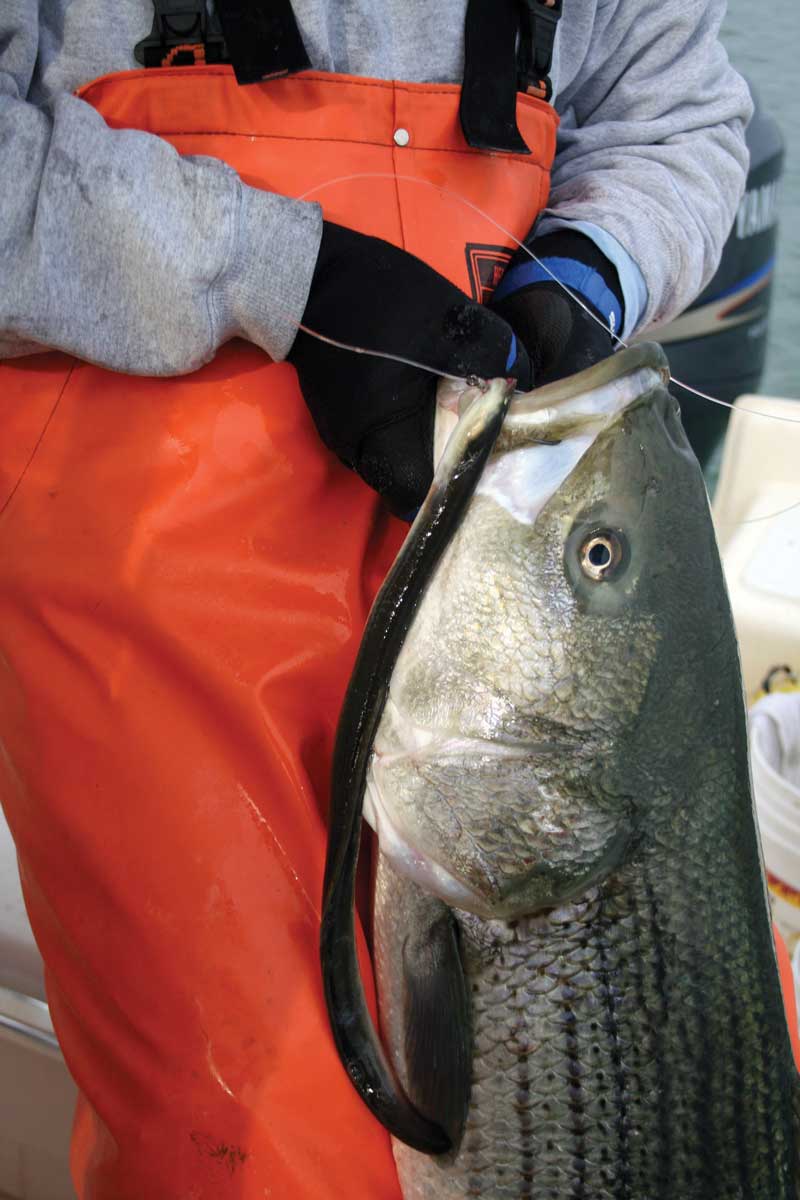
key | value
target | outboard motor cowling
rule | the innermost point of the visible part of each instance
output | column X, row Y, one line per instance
column 719, row 343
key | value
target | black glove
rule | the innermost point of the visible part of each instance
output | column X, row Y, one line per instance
column 560, row 336
column 377, row 414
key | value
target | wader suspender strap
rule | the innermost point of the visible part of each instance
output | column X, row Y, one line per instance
column 259, row 38
column 263, row 39
column 508, row 47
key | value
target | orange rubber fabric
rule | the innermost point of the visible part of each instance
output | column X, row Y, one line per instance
column 789, row 995
column 185, row 574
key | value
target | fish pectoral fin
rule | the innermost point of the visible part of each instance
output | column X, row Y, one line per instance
column 438, row 1027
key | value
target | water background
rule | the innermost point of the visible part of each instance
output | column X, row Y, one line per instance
column 763, row 42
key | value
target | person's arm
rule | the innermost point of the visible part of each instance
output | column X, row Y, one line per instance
column 115, row 248
column 651, row 159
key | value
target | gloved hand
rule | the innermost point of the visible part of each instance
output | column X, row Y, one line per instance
column 560, row 337
column 377, row 414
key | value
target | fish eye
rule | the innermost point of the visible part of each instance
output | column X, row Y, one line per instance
column 601, row 554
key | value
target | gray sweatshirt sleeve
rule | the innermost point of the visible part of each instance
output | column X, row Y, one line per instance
column 651, row 146
column 119, row 250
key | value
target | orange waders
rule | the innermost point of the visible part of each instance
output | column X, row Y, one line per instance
column 185, row 572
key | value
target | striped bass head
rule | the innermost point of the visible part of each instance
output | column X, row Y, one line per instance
column 510, row 767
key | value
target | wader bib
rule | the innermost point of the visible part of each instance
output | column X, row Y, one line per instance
column 185, row 572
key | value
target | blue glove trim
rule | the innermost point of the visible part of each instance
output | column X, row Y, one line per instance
column 631, row 281
column 583, row 280
column 512, row 353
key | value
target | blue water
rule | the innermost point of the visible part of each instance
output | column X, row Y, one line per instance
column 763, row 41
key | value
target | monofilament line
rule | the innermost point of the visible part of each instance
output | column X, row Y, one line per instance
column 502, row 229
column 616, row 339
column 409, row 362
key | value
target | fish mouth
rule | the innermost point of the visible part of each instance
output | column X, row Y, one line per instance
column 546, row 436
column 548, row 431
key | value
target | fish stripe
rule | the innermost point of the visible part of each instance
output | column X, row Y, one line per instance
column 577, row 1105
column 705, row 1082
column 768, row 1086
column 622, row 1180
column 637, row 967
column 662, row 1070
column 526, row 1166
column 738, row 1114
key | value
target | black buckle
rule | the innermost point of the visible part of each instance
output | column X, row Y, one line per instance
column 537, row 35
column 183, row 33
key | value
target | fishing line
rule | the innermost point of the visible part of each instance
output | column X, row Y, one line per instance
column 767, row 517
column 577, row 299
column 502, row 229
column 409, row 362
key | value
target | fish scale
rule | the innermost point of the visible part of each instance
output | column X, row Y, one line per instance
column 598, row 1073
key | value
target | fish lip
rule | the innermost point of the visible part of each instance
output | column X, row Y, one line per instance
column 642, row 356
column 551, row 430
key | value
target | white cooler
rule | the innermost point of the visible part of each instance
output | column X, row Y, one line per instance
column 760, row 477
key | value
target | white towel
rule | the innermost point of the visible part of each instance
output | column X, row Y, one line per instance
column 775, row 734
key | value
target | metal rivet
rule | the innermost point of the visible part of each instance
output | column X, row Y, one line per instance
column 402, row 137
